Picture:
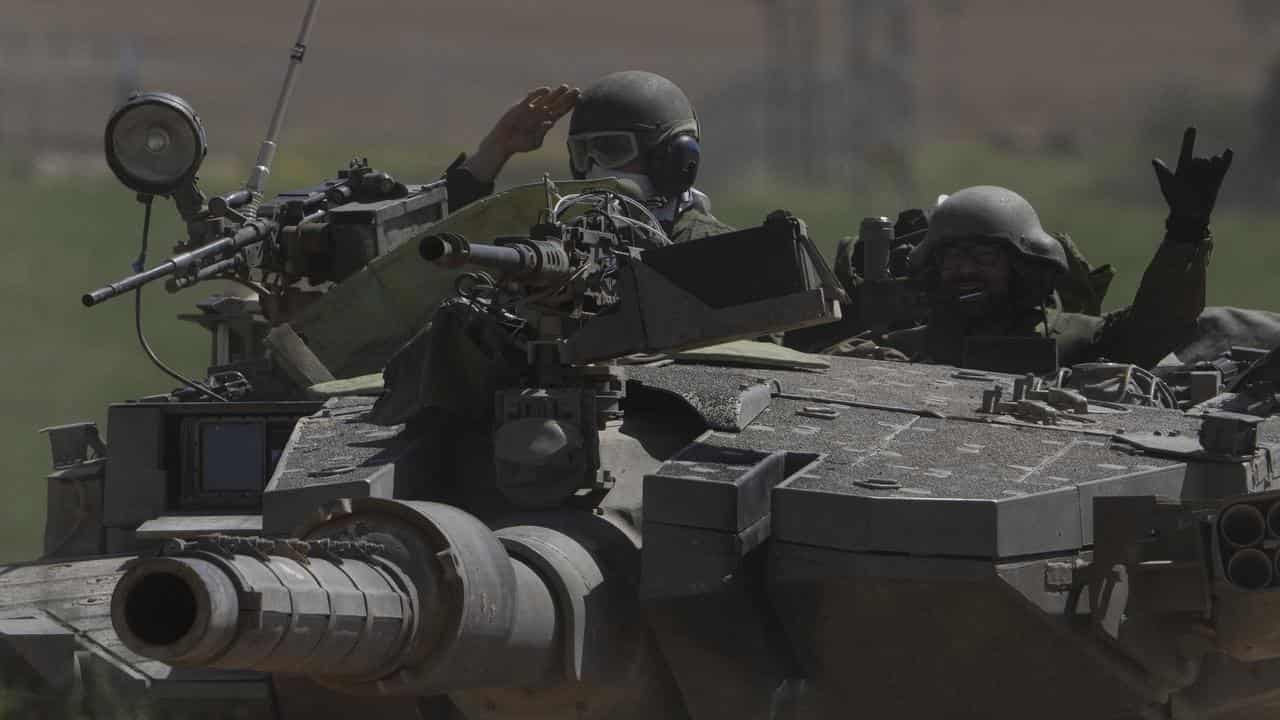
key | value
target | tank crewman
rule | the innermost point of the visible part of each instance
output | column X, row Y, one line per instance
column 1081, row 289
column 633, row 125
column 990, row 268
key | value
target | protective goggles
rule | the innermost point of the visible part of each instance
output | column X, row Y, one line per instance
column 985, row 254
column 608, row 149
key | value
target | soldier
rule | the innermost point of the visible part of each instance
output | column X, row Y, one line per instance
column 633, row 125
column 990, row 268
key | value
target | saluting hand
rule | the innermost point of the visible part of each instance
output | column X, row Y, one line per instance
column 522, row 128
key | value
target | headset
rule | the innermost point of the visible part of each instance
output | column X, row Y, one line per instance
column 673, row 164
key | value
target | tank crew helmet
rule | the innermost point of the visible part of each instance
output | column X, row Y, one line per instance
column 992, row 215
column 635, row 115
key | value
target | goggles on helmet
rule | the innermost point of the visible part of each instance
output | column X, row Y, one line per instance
column 608, row 149
column 983, row 253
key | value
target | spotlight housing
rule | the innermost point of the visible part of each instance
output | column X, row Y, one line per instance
column 154, row 143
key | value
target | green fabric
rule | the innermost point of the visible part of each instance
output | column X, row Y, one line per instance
column 1161, row 319
column 1083, row 287
column 695, row 223
column 454, row 364
column 370, row 384
column 751, row 352
column 1165, row 309
column 358, row 324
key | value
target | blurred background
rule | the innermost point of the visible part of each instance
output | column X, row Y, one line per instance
column 832, row 109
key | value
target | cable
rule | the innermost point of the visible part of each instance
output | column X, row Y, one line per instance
column 599, row 199
column 137, row 313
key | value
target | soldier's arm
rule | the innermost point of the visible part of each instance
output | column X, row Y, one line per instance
column 695, row 223
column 1163, row 315
column 1171, row 296
column 521, row 128
column 463, row 186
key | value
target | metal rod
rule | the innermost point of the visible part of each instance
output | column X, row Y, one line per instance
column 266, row 153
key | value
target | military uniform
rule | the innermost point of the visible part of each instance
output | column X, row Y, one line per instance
column 1161, row 319
column 1082, row 288
column 1165, row 312
column 695, row 222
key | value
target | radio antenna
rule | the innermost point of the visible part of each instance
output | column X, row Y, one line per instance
column 267, row 152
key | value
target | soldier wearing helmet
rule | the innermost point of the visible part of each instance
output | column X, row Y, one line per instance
column 990, row 270
column 633, row 125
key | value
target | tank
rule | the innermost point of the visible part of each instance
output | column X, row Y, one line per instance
column 529, row 460
column 759, row 534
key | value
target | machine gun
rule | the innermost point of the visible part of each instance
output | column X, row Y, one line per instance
column 288, row 250
column 568, row 300
column 591, row 288
column 873, row 269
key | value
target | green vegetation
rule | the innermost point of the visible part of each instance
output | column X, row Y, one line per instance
column 64, row 363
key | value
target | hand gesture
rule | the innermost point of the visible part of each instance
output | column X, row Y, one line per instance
column 524, row 126
column 1191, row 189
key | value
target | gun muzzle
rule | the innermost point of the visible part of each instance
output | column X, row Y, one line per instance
column 252, row 232
column 437, row 605
column 447, row 249
column 345, row 618
column 537, row 262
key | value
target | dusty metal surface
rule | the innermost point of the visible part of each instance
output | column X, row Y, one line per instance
column 887, row 457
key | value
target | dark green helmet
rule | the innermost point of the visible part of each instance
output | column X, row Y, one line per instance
column 657, row 120
column 994, row 213
column 647, row 104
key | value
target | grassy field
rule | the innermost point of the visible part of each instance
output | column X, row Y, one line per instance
column 63, row 363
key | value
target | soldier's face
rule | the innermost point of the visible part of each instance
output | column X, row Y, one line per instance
column 967, row 267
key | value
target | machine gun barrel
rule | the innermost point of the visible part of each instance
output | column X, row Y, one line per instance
column 208, row 272
column 254, row 231
column 225, row 266
column 534, row 261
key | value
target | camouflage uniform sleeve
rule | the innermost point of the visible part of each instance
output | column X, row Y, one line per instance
column 694, row 223
column 1163, row 315
column 462, row 186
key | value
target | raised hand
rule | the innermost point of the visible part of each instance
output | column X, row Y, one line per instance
column 522, row 128
column 1191, row 189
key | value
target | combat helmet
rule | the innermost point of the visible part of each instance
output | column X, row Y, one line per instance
column 994, row 213
column 635, row 114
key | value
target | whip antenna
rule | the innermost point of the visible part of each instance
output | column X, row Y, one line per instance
column 267, row 152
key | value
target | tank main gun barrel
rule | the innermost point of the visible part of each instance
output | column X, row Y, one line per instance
column 538, row 262
column 435, row 605
column 342, row 616
column 254, row 231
